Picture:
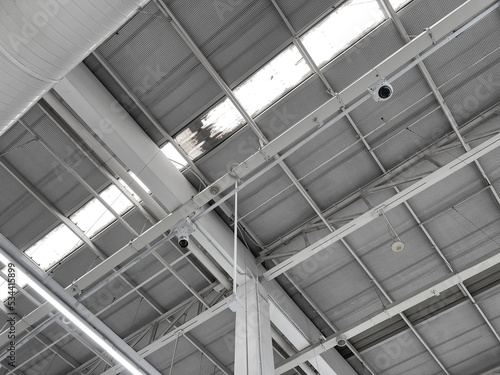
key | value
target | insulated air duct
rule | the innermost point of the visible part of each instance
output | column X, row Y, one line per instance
column 42, row 40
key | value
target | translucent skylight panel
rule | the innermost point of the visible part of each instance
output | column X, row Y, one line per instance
column 53, row 247
column 269, row 84
column 92, row 217
column 208, row 131
column 170, row 152
column 397, row 4
column 341, row 28
column 116, row 199
column 134, row 194
column 272, row 81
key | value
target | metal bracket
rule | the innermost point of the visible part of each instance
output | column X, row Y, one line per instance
column 76, row 290
column 336, row 95
column 319, row 124
column 234, row 303
column 381, row 211
column 184, row 227
column 429, row 31
column 232, row 172
column 264, row 155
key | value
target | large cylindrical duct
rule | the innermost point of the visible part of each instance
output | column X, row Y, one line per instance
column 42, row 40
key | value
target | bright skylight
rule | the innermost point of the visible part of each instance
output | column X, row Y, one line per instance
column 141, row 184
column 397, row 4
column 267, row 85
column 205, row 133
column 174, row 156
column 280, row 75
column 91, row 219
column 337, row 31
column 53, row 247
column 272, row 81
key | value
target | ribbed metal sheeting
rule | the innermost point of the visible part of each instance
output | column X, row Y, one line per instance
column 159, row 68
column 237, row 39
column 403, row 354
column 41, row 41
column 23, row 217
column 300, row 13
column 44, row 171
column 463, row 233
column 472, row 46
column 363, row 56
column 419, row 15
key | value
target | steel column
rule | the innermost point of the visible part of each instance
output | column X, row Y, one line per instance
column 253, row 343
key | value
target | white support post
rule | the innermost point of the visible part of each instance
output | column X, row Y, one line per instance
column 253, row 342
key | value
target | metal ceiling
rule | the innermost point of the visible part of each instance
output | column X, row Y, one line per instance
column 431, row 309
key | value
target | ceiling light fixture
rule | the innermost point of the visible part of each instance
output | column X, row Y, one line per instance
column 10, row 254
column 73, row 318
column 397, row 245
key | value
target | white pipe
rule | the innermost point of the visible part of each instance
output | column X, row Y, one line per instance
column 41, row 41
column 235, row 244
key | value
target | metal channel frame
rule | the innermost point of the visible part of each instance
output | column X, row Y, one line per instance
column 423, row 294
column 81, row 313
column 424, row 41
column 390, row 177
column 86, row 240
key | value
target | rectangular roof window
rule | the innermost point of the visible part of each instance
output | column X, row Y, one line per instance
column 53, row 247
column 263, row 88
column 91, row 219
column 134, row 194
column 207, row 131
column 341, row 28
column 94, row 216
column 398, row 4
column 272, row 81
column 170, row 152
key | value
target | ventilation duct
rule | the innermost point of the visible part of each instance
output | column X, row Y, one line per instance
column 42, row 40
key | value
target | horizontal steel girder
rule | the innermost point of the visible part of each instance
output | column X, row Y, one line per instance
column 425, row 293
column 445, row 28
column 403, row 196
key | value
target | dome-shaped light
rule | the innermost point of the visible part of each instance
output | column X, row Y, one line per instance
column 398, row 246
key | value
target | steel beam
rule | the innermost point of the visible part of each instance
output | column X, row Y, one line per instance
column 389, row 176
column 194, row 206
column 454, row 125
column 318, row 362
column 172, row 335
column 79, row 311
column 387, row 205
column 215, row 238
column 423, row 294
column 53, row 108
column 253, row 343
